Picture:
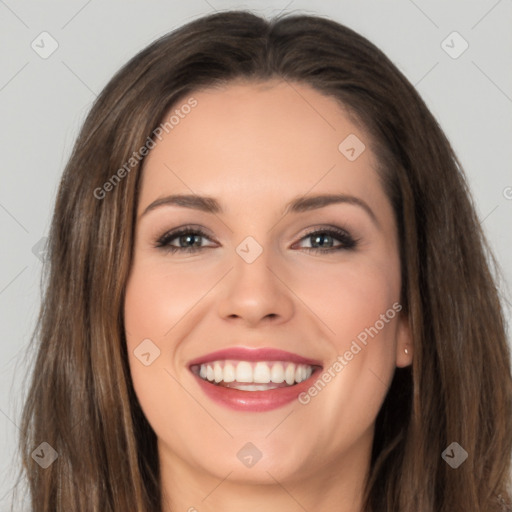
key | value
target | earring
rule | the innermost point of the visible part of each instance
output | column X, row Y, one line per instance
column 406, row 351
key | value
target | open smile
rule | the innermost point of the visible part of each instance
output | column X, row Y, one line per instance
column 253, row 379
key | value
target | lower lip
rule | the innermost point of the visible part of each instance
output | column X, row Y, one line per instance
column 255, row 401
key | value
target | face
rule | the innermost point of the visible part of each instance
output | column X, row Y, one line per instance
column 256, row 311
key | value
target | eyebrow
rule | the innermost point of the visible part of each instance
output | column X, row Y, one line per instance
column 297, row 205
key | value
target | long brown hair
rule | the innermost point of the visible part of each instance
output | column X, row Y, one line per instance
column 459, row 388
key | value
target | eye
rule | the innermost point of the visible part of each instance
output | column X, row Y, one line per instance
column 188, row 240
column 321, row 240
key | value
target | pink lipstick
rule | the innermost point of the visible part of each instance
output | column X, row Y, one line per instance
column 256, row 380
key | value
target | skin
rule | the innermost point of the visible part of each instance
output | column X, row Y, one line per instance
column 254, row 147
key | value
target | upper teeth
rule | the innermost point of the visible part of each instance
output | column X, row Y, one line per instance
column 262, row 372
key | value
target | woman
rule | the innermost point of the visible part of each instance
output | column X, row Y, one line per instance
column 332, row 338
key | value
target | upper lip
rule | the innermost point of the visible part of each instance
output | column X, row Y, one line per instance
column 254, row 354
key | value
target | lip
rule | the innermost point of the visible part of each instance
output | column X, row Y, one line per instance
column 254, row 401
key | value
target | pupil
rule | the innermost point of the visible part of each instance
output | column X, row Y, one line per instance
column 186, row 239
column 320, row 238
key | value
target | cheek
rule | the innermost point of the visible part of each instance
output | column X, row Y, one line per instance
column 157, row 299
column 359, row 305
column 161, row 308
column 350, row 297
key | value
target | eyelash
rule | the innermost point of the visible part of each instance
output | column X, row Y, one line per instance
column 347, row 241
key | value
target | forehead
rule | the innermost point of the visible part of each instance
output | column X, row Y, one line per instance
column 273, row 138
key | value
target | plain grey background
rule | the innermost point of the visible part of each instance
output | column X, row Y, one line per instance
column 43, row 102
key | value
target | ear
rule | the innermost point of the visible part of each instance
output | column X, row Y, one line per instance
column 404, row 342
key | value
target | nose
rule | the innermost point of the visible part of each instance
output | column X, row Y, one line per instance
column 256, row 293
